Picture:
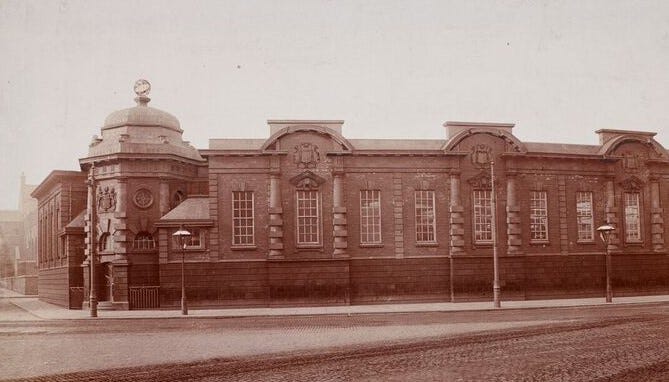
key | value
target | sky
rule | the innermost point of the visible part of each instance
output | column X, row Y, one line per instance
column 559, row 70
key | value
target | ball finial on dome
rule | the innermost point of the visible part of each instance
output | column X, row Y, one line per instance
column 142, row 89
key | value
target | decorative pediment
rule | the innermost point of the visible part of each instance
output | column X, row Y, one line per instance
column 512, row 143
column 481, row 181
column 611, row 145
column 292, row 127
column 631, row 184
column 307, row 180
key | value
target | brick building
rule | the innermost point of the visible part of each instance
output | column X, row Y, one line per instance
column 18, row 239
column 308, row 216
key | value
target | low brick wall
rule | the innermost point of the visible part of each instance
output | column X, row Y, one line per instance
column 215, row 284
column 473, row 278
column 640, row 274
column 386, row 280
column 565, row 276
column 406, row 280
column 21, row 284
column 323, row 282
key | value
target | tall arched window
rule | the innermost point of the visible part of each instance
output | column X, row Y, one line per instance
column 308, row 209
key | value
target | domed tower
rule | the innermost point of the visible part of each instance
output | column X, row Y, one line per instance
column 139, row 168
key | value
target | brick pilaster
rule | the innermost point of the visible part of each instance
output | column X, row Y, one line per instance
column 562, row 206
column 513, row 227
column 275, row 219
column 398, row 216
column 214, row 234
column 340, row 232
column 456, row 221
column 657, row 219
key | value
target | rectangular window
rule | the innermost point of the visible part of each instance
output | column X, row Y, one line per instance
column 584, row 219
column 482, row 216
column 425, row 217
column 370, row 217
column 242, row 218
column 194, row 241
column 538, row 216
column 632, row 217
column 308, row 217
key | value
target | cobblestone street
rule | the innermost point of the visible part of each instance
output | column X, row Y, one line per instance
column 627, row 343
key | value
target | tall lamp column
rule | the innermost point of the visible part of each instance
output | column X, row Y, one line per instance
column 496, row 289
column 182, row 236
column 605, row 234
column 93, row 299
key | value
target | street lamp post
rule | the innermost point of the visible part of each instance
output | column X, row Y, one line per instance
column 182, row 235
column 605, row 234
column 493, row 226
column 92, row 260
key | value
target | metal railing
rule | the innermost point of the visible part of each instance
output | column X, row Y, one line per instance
column 144, row 297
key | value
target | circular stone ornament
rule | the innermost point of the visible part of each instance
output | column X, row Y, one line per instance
column 143, row 198
column 142, row 87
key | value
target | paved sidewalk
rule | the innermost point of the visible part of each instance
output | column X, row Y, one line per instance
column 7, row 293
column 46, row 311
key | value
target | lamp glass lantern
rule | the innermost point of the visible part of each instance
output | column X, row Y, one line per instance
column 605, row 232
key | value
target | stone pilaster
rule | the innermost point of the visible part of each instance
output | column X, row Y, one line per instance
column 88, row 226
column 398, row 217
column 457, row 221
column 275, row 219
column 122, row 237
column 513, row 221
column 340, row 233
column 612, row 215
column 656, row 217
column 164, row 198
column 215, row 252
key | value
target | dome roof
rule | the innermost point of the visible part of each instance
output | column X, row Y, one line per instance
column 142, row 115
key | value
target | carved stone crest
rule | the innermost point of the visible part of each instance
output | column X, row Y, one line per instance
column 306, row 155
column 106, row 199
column 481, row 155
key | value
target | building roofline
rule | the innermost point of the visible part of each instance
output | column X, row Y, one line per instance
column 305, row 121
column 52, row 178
column 626, row 132
column 478, row 124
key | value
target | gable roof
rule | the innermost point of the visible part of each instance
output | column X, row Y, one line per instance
column 79, row 221
column 193, row 208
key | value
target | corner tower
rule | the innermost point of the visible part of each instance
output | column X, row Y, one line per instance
column 139, row 168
